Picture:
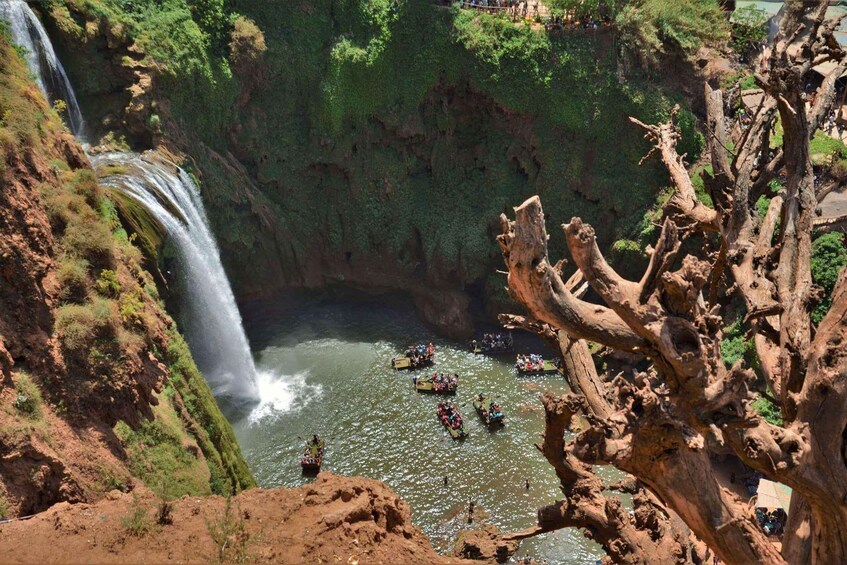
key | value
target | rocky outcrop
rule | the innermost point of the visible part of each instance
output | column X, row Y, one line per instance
column 485, row 543
column 333, row 520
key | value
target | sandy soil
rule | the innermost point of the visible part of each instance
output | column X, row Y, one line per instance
column 334, row 520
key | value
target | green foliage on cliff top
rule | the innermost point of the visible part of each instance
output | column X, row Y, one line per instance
column 651, row 28
column 433, row 134
column 395, row 128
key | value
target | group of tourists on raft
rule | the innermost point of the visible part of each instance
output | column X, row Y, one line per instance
column 494, row 409
column 442, row 382
column 313, row 453
column 420, row 354
column 493, row 342
column 449, row 416
column 532, row 362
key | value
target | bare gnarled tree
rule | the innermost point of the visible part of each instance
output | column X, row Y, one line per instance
column 666, row 425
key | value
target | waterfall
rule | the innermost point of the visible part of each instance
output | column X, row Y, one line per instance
column 28, row 33
column 212, row 322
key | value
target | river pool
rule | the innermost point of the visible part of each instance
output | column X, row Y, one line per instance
column 324, row 367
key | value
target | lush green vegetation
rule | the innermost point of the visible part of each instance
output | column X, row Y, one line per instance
column 735, row 347
column 361, row 121
column 650, row 28
column 584, row 8
column 653, row 28
column 749, row 28
column 829, row 256
column 767, row 410
column 228, row 471
column 159, row 454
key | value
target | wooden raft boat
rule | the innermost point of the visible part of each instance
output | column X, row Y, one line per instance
column 450, row 418
column 490, row 412
column 313, row 456
column 492, row 347
column 546, row 367
column 415, row 357
column 447, row 384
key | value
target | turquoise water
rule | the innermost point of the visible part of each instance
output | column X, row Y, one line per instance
column 324, row 367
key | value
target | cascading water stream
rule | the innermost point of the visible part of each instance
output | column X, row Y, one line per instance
column 212, row 321
column 28, row 33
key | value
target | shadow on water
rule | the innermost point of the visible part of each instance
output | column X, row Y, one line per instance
column 347, row 315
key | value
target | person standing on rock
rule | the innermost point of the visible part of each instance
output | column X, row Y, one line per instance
column 471, row 506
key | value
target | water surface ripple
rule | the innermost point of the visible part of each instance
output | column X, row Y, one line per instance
column 340, row 383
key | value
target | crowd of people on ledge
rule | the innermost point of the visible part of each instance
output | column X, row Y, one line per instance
column 449, row 416
column 442, row 382
column 559, row 23
column 529, row 10
column 420, row 354
column 493, row 5
column 531, row 362
column 494, row 342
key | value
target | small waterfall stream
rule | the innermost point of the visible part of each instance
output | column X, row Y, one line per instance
column 212, row 323
column 28, row 32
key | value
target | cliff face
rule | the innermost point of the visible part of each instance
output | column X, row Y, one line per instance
column 374, row 144
column 96, row 384
column 334, row 520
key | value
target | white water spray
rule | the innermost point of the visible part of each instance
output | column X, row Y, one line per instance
column 28, row 33
column 212, row 321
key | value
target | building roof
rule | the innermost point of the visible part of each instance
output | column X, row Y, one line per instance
column 771, row 496
column 772, row 7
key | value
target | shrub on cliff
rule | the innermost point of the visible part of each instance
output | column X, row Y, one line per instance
column 72, row 276
column 247, row 45
column 79, row 325
column 652, row 28
column 84, row 183
column 27, row 397
column 90, row 239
